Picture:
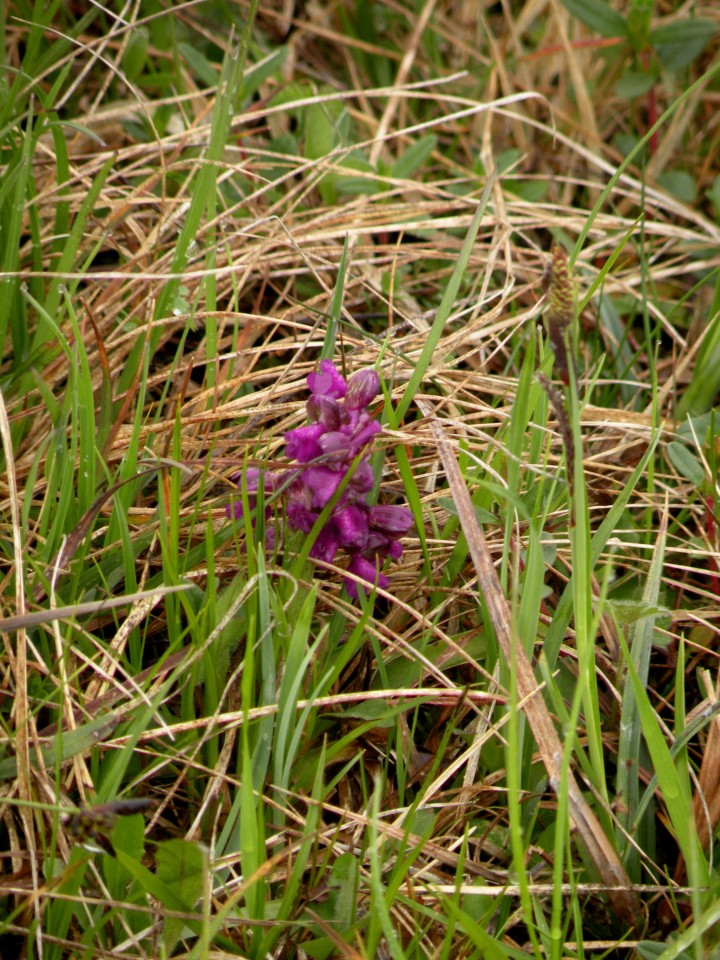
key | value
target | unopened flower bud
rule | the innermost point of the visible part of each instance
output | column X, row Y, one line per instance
column 394, row 521
column 362, row 388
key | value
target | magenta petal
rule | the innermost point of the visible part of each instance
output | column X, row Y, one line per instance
column 377, row 544
column 234, row 509
column 330, row 450
column 325, row 410
column 353, row 417
column 335, row 444
column 327, row 381
column 299, row 517
column 326, row 545
column 380, row 545
column 368, row 571
column 395, row 550
column 253, row 478
column 362, row 479
column 351, row 526
column 363, row 437
column 322, row 482
column 302, row 443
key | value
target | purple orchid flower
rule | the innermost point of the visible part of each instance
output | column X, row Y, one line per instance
column 326, row 449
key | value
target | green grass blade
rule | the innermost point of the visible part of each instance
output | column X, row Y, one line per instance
column 446, row 305
column 564, row 609
column 203, row 194
column 630, row 737
column 673, row 781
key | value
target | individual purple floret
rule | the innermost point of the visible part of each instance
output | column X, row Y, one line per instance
column 327, row 382
column 326, row 449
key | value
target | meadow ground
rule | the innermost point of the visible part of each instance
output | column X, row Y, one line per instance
column 226, row 731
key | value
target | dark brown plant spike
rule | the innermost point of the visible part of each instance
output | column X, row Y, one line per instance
column 557, row 403
column 99, row 342
column 97, row 823
column 561, row 312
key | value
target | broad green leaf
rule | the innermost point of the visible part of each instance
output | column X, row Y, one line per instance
column 342, row 884
column 183, row 868
column 680, row 183
column 157, row 888
column 414, row 157
column 639, row 20
column 531, row 191
column 319, row 131
column 356, row 186
column 361, row 177
column 649, row 949
column 323, row 948
column 135, row 56
column 376, row 710
column 630, row 612
column 290, row 93
column 634, row 83
column 685, row 462
column 599, row 16
column 128, row 835
column 507, row 159
column 682, row 41
column 259, row 72
column 202, row 68
column 72, row 743
column 483, row 515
